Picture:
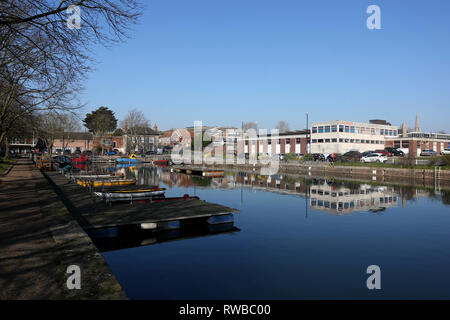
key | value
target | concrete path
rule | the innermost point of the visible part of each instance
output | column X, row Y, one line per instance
column 29, row 257
column 39, row 239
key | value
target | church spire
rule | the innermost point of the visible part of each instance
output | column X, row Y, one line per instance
column 417, row 126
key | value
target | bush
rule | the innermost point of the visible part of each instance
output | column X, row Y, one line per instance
column 308, row 157
column 290, row 157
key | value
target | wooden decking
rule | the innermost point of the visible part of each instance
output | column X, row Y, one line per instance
column 199, row 171
column 92, row 213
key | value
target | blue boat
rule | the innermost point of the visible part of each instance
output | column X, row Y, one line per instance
column 126, row 160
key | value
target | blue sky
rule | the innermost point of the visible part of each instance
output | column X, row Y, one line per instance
column 227, row 61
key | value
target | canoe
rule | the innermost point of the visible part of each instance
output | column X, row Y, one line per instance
column 106, row 183
column 126, row 160
column 91, row 176
column 161, row 162
column 131, row 194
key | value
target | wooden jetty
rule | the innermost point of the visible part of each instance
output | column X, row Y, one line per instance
column 204, row 172
column 92, row 213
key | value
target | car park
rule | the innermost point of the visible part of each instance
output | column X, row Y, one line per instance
column 318, row 157
column 395, row 152
column 384, row 152
column 374, row 157
column 428, row 153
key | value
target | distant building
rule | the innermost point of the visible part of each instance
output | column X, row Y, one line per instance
column 142, row 140
column 283, row 143
column 343, row 136
column 73, row 141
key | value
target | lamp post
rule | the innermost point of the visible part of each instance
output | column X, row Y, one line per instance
column 307, row 132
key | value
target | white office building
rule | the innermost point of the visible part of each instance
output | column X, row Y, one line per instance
column 343, row 136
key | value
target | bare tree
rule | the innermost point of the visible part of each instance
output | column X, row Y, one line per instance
column 135, row 124
column 250, row 125
column 54, row 126
column 282, row 126
column 42, row 61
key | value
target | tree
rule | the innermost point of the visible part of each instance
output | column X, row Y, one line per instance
column 43, row 61
column 54, row 125
column 118, row 132
column 135, row 124
column 282, row 126
column 249, row 125
column 101, row 122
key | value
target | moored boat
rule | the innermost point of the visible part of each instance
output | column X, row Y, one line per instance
column 106, row 183
column 131, row 194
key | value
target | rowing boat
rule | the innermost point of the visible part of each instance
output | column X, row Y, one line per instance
column 131, row 194
column 106, row 183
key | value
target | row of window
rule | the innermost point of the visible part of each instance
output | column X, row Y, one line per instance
column 269, row 141
column 341, row 140
column 354, row 129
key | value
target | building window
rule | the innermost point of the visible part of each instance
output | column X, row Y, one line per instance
column 314, row 140
column 334, row 140
column 279, row 141
column 246, row 142
column 347, row 129
column 334, row 128
column 320, row 140
column 352, row 140
column 405, row 144
column 297, row 140
column 352, row 129
column 114, row 144
column 320, row 129
column 382, row 132
column 327, row 129
column 327, row 140
column 269, row 141
column 341, row 128
column 346, row 140
column 341, row 140
column 396, row 144
column 314, row 129
column 288, row 141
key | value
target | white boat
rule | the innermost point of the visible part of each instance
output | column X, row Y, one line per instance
column 131, row 194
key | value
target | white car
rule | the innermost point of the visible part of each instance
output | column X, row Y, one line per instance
column 374, row 157
column 445, row 151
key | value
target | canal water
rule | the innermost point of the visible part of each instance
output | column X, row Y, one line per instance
column 293, row 238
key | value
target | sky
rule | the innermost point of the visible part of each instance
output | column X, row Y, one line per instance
column 228, row 61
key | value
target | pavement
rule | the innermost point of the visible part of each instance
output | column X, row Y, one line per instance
column 39, row 239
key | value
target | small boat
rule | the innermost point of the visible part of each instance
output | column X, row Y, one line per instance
column 106, row 183
column 131, row 194
column 126, row 160
column 81, row 159
column 161, row 162
column 91, row 176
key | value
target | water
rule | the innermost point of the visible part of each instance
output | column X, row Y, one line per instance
column 294, row 242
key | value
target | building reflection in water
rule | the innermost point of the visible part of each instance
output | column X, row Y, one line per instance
column 333, row 196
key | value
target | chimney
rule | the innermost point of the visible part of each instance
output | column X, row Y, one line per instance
column 404, row 130
column 155, row 128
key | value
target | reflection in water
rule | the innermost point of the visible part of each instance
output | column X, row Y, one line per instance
column 129, row 237
column 279, row 254
column 330, row 195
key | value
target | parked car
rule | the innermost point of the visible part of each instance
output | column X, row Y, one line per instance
column 318, row 157
column 149, row 153
column 445, row 151
column 374, row 157
column 111, row 153
column 395, row 152
column 428, row 153
column 384, row 152
column 365, row 153
column 77, row 152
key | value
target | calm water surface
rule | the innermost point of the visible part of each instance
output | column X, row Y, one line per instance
column 292, row 239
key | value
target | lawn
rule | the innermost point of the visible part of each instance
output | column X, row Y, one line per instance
column 4, row 165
